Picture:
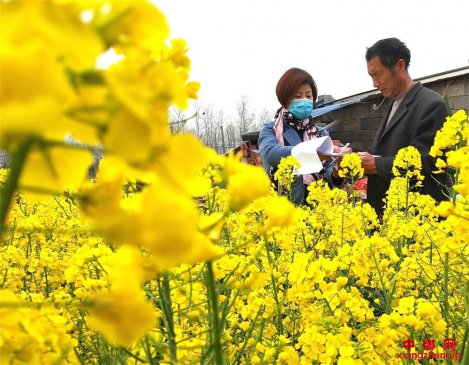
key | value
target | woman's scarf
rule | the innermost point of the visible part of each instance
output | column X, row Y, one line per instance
column 283, row 116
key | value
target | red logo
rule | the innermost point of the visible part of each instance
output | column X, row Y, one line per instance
column 449, row 344
column 408, row 344
column 429, row 345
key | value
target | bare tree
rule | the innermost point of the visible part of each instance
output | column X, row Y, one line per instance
column 177, row 119
column 197, row 120
column 245, row 115
column 208, row 125
column 263, row 117
column 232, row 137
column 215, row 129
column 4, row 160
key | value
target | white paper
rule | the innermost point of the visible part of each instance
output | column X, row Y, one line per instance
column 307, row 154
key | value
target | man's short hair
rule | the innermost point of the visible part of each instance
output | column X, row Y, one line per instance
column 389, row 51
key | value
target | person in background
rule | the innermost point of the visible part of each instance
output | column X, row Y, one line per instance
column 412, row 120
column 296, row 91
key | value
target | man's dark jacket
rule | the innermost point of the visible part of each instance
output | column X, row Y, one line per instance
column 421, row 113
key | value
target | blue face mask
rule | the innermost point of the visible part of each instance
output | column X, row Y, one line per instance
column 301, row 108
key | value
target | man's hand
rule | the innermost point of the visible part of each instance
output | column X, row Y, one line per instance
column 368, row 163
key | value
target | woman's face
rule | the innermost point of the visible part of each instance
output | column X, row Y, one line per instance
column 304, row 92
column 301, row 104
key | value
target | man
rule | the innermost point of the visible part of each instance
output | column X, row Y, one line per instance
column 413, row 119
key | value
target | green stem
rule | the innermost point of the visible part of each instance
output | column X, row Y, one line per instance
column 465, row 347
column 63, row 209
column 383, row 286
column 165, row 294
column 48, row 290
column 275, row 290
column 445, row 293
column 465, row 342
column 342, row 230
column 328, row 305
column 279, row 308
column 453, row 192
column 216, row 328
column 146, row 346
column 407, row 198
column 249, row 333
column 5, row 276
column 135, row 357
column 18, row 159
column 304, row 240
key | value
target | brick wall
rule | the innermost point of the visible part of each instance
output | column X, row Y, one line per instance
column 360, row 121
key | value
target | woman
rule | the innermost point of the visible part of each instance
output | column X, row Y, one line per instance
column 296, row 92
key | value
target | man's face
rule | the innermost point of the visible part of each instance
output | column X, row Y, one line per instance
column 389, row 82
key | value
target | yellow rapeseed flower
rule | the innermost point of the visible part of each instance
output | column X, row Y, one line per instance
column 408, row 164
column 280, row 212
column 454, row 131
column 55, row 169
column 31, row 334
column 35, row 88
column 132, row 25
column 122, row 313
column 285, row 172
column 246, row 185
column 350, row 167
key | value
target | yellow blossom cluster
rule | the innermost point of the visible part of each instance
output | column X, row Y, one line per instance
column 350, row 167
column 33, row 333
column 451, row 148
column 408, row 164
column 453, row 135
column 123, row 107
column 324, row 283
column 58, row 102
column 285, row 172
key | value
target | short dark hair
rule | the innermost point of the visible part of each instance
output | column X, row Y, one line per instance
column 389, row 51
column 289, row 83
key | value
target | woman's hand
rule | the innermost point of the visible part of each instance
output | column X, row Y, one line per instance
column 338, row 159
column 338, row 149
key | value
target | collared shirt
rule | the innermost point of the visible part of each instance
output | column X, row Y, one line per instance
column 397, row 101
